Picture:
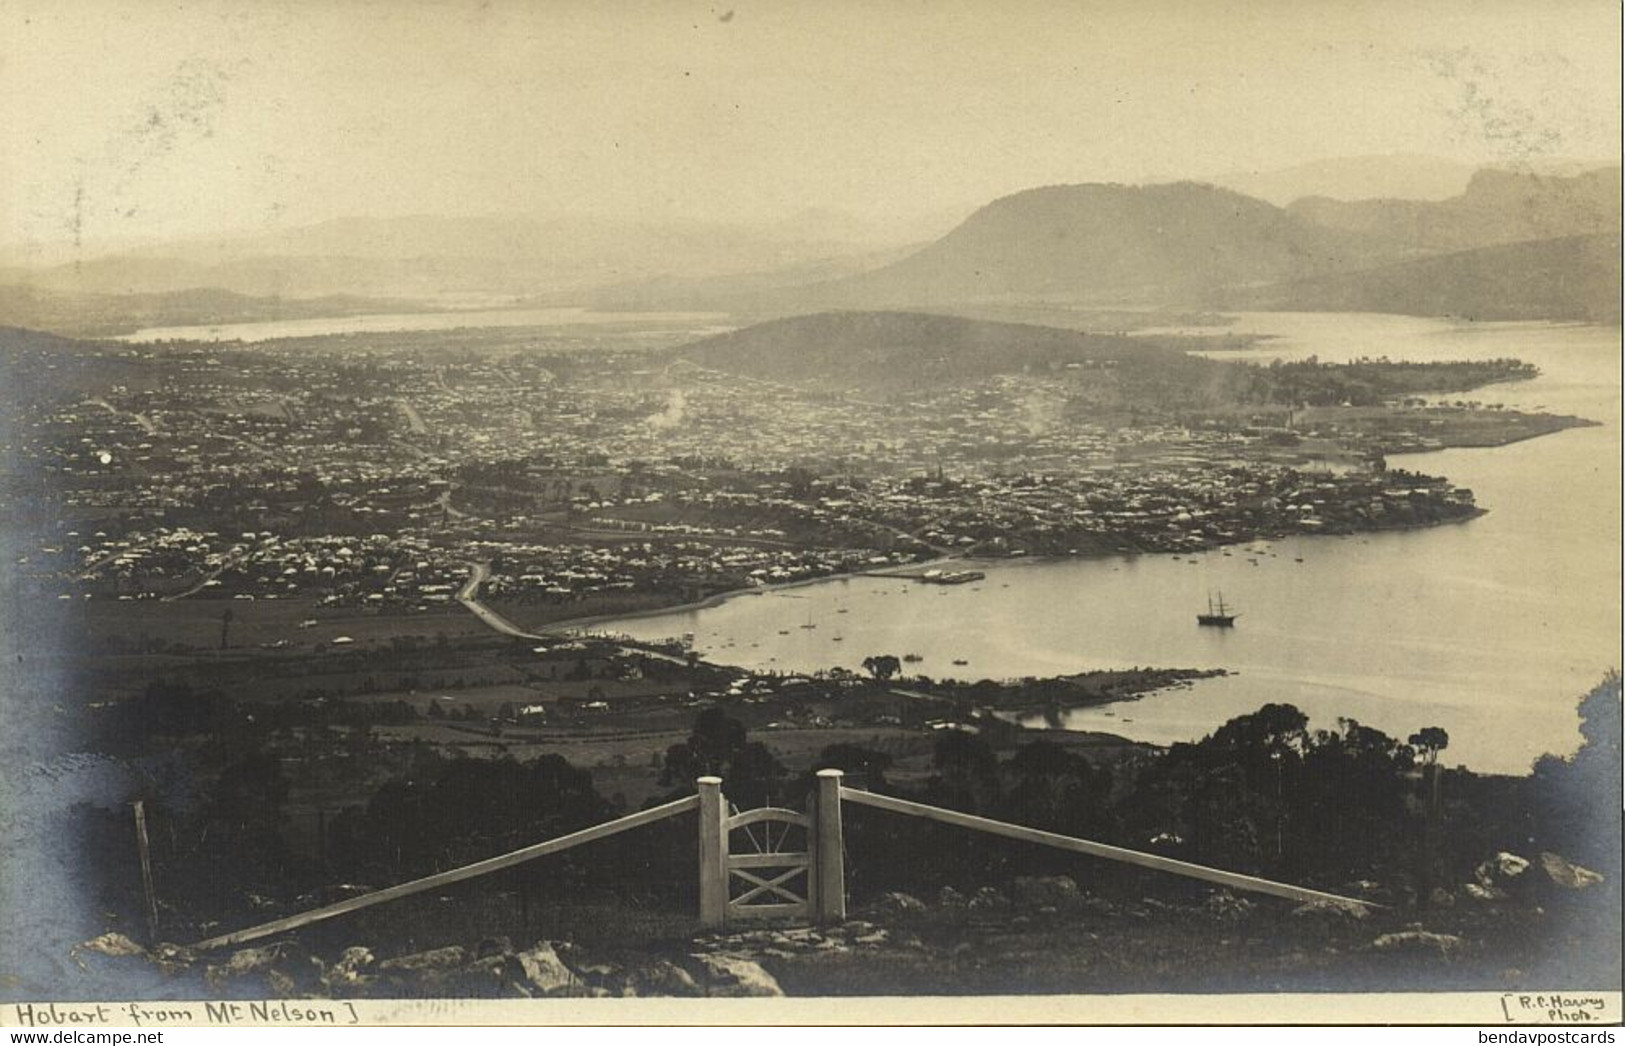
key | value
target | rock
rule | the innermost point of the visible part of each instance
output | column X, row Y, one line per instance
column 249, row 960
column 1483, row 893
column 659, row 977
column 114, row 944
column 1045, row 891
column 988, row 898
column 285, row 967
column 1439, row 897
column 434, row 959
column 1566, row 875
column 1331, row 911
column 735, row 976
column 1500, row 871
column 1226, row 905
column 602, row 975
column 282, row 986
column 1418, row 942
column 1099, row 905
column 490, row 946
column 872, row 937
column 900, row 903
column 948, row 897
column 485, row 978
column 347, row 975
column 544, row 972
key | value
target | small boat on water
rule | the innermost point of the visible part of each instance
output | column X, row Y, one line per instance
column 1218, row 615
column 911, row 658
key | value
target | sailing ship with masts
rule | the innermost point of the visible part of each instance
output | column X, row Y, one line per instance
column 1218, row 615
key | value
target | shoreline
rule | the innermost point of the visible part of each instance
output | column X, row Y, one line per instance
column 568, row 625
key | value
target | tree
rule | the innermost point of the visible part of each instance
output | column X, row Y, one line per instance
column 882, row 666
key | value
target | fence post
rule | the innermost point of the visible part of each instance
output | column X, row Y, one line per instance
column 830, row 894
column 144, row 851
column 713, row 854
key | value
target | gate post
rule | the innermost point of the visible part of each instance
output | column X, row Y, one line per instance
column 713, row 854
column 829, row 895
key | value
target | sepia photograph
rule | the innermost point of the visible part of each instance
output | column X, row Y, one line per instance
column 529, row 512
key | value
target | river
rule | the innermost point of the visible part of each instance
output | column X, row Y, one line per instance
column 269, row 330
column 1492, row 629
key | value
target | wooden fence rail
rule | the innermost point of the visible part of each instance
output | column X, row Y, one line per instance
column 467, row 871
column 1093, row 849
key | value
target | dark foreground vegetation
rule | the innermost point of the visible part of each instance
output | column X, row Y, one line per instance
column 1483, row 881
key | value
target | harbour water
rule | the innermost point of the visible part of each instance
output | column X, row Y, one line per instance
column 270, row 330
column 1492, row 629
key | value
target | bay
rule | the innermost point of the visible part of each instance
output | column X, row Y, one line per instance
column 315, row 327
column 1492, row 629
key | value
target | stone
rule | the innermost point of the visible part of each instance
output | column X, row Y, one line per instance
column 112, row 944
column 988, row 898
column 544, row 972
column 735, row 976
column 1501, row 870
column 434, row 959
column 1331, row 911
column 1418, row 942
column 659, row 977
column 485, row 978
column 1479, row 892
column 1045, row 891
column 489, row 946
column 901, row 903
column 1226, row 905
column 948, row 897
column 1567, row 875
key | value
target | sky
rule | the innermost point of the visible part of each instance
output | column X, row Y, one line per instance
column 123, row 121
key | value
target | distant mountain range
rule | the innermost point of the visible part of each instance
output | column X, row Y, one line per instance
column 1183, row 245
column 1570, row 278
column 1110, row 243
column 1496, row 207
column 1188, row 244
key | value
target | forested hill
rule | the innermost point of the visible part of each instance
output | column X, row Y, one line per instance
column 912, row 348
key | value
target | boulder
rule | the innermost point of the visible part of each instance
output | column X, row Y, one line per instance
column 736, row 976
column 900, row 903
column 948, row 897
column 490, row 977
column 434, row 959
column 285, row 967
column 1500, row 871
column 1479, row 892
column 1566, row 875
column 1331, row 911
column 1045, row 891
column 658, row 977
column 115, row 945
column 1226, row 905
column 1418, row 942
column 490, row 946
column 544, row 972
column 348, row 973
column 988, row 899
